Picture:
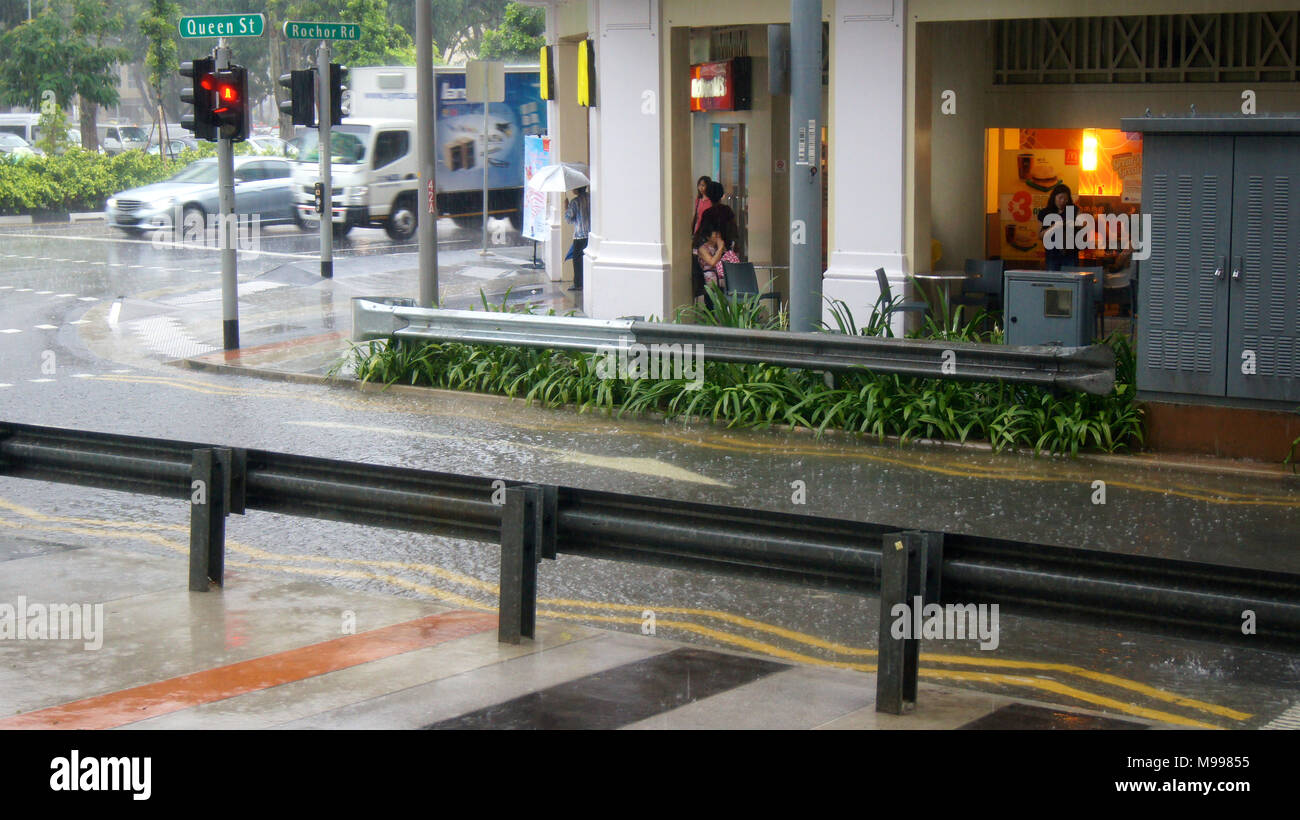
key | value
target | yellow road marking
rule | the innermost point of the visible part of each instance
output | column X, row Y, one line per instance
column 989, row 472
column 272, row 560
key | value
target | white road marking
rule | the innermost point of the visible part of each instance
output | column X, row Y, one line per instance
column 79, row 322
column 87, row 299
column 44, row 292
column 11, row 330
column 47, row 327
column 1290, row 719
column 40, row 381
column 116, row 241
column 63, row 295
column 23, row 290
column 119, row 371
column 5, row 287
column 6, row 385
column 83, row 375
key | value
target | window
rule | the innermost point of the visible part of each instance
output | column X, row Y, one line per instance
column 390, row 147
column 252, row 172
column 276, row 170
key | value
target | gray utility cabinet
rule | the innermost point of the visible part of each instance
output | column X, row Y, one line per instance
column 1048, row 308
column 1219, row 299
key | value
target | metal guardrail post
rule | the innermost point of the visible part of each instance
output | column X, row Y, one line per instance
column 902, row 579
column 521, row 531
column 208, row 500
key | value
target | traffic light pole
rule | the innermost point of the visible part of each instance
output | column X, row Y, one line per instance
column 325, row 149
column 427, row 223
column 226, row 222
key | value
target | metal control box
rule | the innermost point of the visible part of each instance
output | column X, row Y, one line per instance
column 1048, row 308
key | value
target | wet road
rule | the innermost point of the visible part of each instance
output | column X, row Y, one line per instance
column 51, row 376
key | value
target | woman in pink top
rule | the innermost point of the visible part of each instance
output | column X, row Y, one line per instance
column 702, row 201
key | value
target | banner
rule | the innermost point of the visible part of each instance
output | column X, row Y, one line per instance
column 537, row 155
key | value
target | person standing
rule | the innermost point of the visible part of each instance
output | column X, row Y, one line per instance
column 702, row 201
column 1058, row 200
column 577, row 211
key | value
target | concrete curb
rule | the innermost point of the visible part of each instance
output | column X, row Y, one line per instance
column 22, row 219
column 88, row 216
column 1149, row 461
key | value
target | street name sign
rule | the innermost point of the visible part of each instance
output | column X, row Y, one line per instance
column 222, row 25
column 322, row 31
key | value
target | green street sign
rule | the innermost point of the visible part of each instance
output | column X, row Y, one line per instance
column 222, row 25
column 322, row 31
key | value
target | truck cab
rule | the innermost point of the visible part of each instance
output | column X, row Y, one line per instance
column 373, row 176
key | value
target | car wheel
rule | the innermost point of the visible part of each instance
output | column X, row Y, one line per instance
column 194, row 224
column 402, row 221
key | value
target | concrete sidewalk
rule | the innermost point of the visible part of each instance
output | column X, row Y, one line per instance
column 275, row 651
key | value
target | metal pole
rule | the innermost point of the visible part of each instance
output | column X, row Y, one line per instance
column 805, row 165
column 226, row 222
column 326, row 149
column 486, row 96
column 427, row 158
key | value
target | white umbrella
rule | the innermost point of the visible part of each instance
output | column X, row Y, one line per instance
column 558, row 179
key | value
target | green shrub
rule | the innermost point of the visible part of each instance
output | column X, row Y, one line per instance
column 761, row 395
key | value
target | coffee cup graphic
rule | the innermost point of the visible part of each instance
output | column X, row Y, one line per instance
column 1024, row 162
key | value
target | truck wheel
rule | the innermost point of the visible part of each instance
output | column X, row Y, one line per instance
column 342, row 230
column 469, row 223
column 402, row 221
column 304, row 225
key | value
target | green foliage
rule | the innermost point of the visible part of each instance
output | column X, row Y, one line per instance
column 761, row 395
column 81, row 180
column 520, row 36
column 158, row 27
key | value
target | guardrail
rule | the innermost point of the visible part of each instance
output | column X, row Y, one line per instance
column 1086, row 369
column 532, row 522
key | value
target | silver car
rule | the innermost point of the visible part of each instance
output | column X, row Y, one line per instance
column 262, row 187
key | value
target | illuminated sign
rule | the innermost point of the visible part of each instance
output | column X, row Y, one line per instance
column 722, row 86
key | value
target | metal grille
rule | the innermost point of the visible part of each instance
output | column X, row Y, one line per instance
column 129, row 205
column 1166, row 48
column 726, row 43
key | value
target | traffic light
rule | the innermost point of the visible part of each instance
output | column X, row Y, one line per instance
column 231, row 111
column 319, row 197
column 301, row 105
column 199, row 95
column 338, row 76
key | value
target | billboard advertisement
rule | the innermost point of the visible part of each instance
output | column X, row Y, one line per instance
column 462, row 151
column 537, row 155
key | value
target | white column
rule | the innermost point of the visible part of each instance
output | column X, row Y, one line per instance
column 867, row 140
column 627, row 262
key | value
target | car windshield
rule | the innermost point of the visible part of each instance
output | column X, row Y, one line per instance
column 347, row 145
column 11, row 140
column 198, row 172
column 133, row 133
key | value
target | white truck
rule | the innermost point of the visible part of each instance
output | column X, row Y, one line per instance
column 375, row 173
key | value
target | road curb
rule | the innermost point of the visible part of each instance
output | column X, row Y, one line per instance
column 88, row 216
column 1149, row 461
column 22, row 219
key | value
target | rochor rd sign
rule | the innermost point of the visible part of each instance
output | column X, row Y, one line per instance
column 222, row 25
column 322, row 31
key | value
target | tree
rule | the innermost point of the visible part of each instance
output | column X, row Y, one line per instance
column 521, row 35
column 63, row 50
column 158, row 25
